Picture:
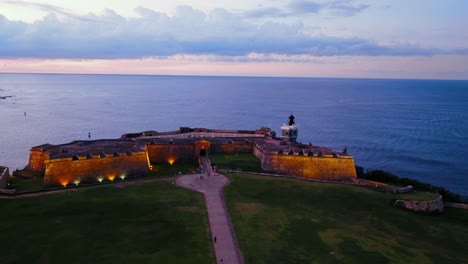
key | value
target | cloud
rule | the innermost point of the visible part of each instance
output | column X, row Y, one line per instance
column 251, row 57
column 345, row 8
column 219, row 33
column 303, row 7
column 266, row 12
column 47, row 8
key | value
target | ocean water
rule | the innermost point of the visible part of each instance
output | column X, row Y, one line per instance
column 413, row 128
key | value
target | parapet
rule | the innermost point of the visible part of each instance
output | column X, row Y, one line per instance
column 276, row 147
column 4, row 175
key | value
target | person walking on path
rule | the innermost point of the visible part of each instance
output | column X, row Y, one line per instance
column 214, row 239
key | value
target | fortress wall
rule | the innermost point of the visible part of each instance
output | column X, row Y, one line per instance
column 323, row 168
column 4, row 175
column 162, row 153
column 265, row 161
column 231, row 148
column 59, row 173
column 36, row 160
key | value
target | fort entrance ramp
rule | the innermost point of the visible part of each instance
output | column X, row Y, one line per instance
column 223, row 235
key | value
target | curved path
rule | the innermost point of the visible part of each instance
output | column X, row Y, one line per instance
column 225, row 245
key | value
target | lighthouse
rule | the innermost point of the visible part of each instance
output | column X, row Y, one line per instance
column 289, row 131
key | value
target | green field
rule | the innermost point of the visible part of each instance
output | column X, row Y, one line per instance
column 416, row 196
column 151, row 223
column 166, row 169
column 239, row 161
column 25, row 185
column 277, row 220
column 281, row 220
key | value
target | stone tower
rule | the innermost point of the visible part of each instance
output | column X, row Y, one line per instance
column 289, row 131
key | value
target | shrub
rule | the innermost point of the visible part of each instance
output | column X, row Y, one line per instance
column 386, row 177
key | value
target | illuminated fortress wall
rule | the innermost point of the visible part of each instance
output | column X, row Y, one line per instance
column 37, row 157
column 133, row 155
column 68, row 171
column 319, row 168
column 164, row 153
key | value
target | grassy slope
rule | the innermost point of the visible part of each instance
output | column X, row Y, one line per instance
column 151, row 223
column 417, row 196
column 291, row 221
column 25, row 185
column 166, row 169
column 243, row 161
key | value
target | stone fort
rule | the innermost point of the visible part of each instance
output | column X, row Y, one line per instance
column 136, row 154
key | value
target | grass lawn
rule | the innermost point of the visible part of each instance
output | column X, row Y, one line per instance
column 243, row 161
column 151, row 223
column 166, row 169
column 25, row 185
column 417, row 196
column 281, row 220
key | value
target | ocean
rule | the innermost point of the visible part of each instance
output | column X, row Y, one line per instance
column 412, row 128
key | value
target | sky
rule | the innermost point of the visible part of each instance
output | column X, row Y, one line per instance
column 417, row 39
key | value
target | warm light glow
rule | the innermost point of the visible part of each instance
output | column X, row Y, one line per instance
column 171, row 160
column 122, row 177
column 100, row 179
column 64, row 182
column 77, row 181
column 111, row 177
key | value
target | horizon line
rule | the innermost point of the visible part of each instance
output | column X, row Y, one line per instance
column 233, row 76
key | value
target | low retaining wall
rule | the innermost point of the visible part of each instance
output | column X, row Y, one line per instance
column 4, row 175
column 433, row 207
column 406, row 189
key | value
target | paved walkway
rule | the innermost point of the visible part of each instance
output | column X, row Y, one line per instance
column 226, row 247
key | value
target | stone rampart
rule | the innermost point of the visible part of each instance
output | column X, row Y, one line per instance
column 135, row 153
column 4, row 175
column 433, row 207
column 85, row 169
column 37, row 157
column 165, row 153
column 245, row 147
column 309, row 167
